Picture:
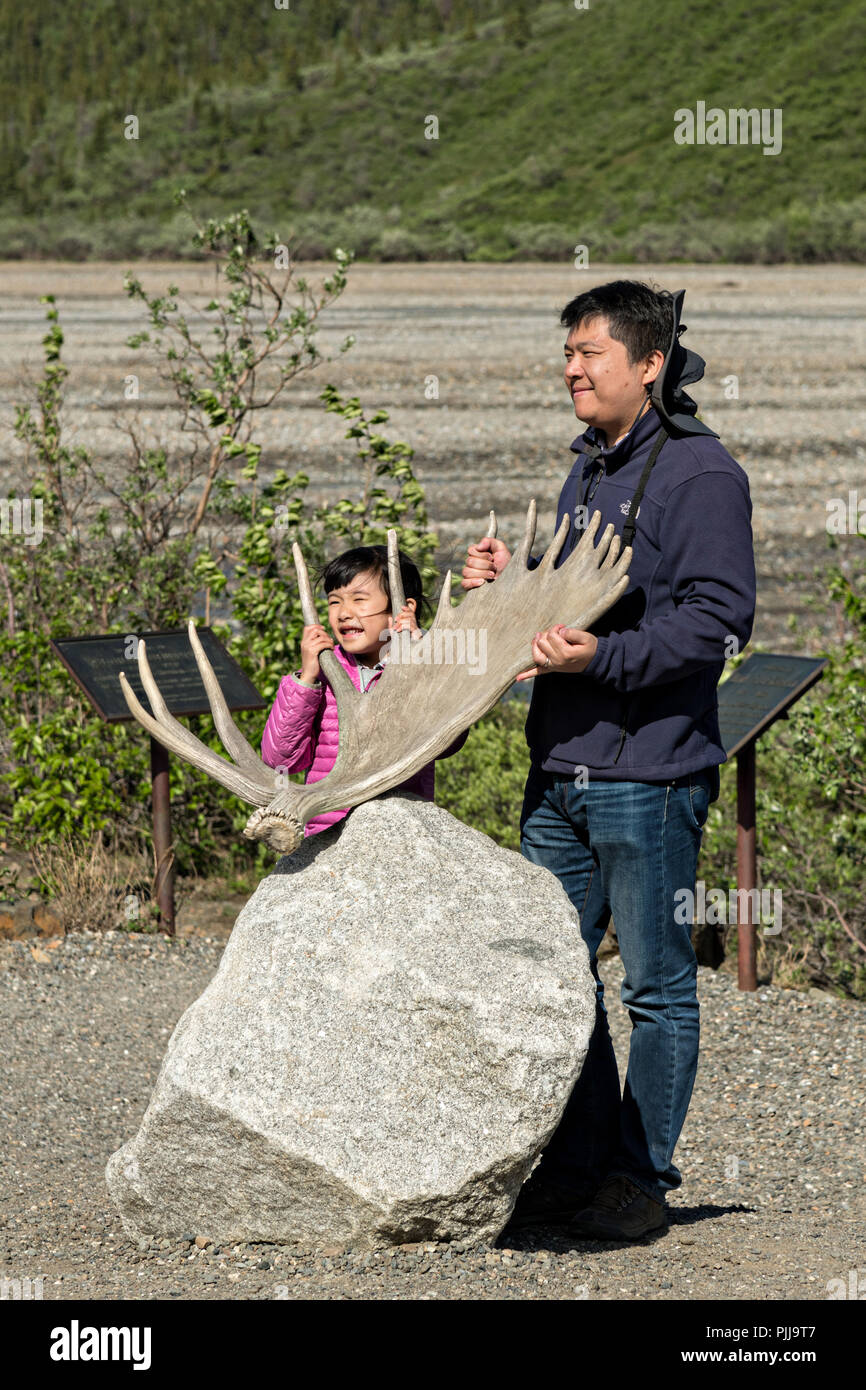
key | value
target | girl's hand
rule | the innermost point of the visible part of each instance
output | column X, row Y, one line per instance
column 405, row 621
column 313, row 640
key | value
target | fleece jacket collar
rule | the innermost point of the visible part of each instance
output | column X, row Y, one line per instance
column 614, row 456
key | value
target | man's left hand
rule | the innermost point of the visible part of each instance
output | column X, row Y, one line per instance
column 570, row 651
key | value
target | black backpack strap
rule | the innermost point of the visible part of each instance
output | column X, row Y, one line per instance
column 629, row 529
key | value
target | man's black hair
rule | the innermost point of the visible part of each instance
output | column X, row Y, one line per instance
column 373, row 559
column 639, row 316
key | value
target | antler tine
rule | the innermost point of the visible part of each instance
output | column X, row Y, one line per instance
column 479, row 588
column 232, row 739
column 623, row 562
column 338, row 677
column 305, row 591
column 179, row 740
column 521, row 555
column 604, row 557
column 550, row 555
column 618, row 566
column 610, row 558
column 606, row 540
column 584, row 554
column 154, row 694
column 444, row 605
column 395, row 578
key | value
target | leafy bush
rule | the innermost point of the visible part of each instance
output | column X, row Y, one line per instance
column 482, row 785
column 811, row 820
column 398, row 244
column 150, row 557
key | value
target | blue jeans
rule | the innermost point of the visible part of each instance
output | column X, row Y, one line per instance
column 624, row 849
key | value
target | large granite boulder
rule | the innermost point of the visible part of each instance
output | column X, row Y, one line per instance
column 389, row 1041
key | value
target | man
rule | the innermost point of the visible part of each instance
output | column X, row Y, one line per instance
column 624, row 740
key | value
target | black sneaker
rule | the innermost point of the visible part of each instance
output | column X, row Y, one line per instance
column 542, row 1202
column 621, row 1211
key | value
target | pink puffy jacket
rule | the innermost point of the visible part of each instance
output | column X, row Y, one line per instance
column 302, row 735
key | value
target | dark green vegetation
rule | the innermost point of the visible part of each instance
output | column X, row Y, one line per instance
column 555, row 127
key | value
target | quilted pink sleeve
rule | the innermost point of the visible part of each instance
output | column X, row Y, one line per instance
column 288, row 738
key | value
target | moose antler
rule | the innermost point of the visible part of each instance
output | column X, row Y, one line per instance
column 430, row 690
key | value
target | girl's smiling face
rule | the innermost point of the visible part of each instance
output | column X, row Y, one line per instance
column 358, row 615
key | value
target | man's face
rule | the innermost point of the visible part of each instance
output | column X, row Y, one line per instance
column 605, row 387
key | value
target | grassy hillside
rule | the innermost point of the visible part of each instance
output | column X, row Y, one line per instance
column 555, row 128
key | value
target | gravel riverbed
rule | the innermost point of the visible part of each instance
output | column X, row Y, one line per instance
column 467, row 359
column 772, row 1154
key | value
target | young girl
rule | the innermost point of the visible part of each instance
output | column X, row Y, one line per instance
column 302, row 732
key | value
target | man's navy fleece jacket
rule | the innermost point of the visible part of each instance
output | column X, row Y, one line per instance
column 645, row 708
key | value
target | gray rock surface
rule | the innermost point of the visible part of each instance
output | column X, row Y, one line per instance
column 396, row 1024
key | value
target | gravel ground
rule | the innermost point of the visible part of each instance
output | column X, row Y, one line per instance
column 772, row 1154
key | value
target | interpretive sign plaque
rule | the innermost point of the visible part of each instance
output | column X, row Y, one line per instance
column 761, row 691
column 758, row 693
column 95, row 664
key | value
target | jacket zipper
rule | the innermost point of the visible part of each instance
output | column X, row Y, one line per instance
column 622, row 732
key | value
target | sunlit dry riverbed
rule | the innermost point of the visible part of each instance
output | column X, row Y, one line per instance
column 498, row 433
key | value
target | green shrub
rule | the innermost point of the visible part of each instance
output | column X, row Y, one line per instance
column 811, row 820
column 398, row 244
column 482, row 785
column 150, row 559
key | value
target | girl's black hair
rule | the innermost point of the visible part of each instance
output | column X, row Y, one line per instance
column 373, row 559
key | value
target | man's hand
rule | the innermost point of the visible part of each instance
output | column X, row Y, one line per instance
column 570, row 650
column 484, row 562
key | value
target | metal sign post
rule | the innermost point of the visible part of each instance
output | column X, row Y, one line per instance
column 747, row 868
column 163, row 849
column 758, row 693
column 94, row 664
